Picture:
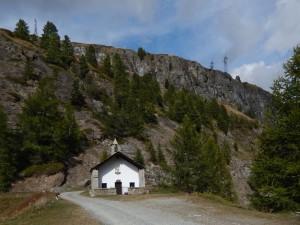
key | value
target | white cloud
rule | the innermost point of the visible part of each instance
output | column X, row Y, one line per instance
column 259, row 73
column 283, row 26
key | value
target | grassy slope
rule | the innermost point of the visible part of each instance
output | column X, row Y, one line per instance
column 47, row 212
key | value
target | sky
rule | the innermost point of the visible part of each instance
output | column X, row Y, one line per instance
column 257, row 36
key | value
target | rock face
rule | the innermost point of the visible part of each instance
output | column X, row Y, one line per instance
column 190, row 75
column 39, row 183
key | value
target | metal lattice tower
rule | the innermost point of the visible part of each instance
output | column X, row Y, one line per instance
column 211, row 65
column 35, row 27
column 225, row 60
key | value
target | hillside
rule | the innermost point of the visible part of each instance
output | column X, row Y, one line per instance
column 239, row 98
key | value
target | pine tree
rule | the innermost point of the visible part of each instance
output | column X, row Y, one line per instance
column 53, row 49
column 118, row 66
column 91, row 55
column 7, row 167
column 22, row 30
column 121, row 83
column 77, row 99
column 223, row 119
column 186, row 144
column 107, row 66
column 48, row 133
column 212, row 174
column 124, row 120
column 67, row 52
column 83, row 67
column 139, row 158
column 275, row 175
column 226, row 152
column 141, row 53
column 48, row 31
column 125, row 117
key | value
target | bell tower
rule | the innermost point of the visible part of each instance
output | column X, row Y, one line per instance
column 114, row 147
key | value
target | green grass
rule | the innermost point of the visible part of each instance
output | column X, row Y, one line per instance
column 50, row 212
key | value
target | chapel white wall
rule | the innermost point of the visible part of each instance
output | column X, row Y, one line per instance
column 128, row 173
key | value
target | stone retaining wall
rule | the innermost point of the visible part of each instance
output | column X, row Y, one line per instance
column 112, row 191
column 137, row 191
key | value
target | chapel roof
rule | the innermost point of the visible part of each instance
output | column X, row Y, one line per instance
column 119, row 155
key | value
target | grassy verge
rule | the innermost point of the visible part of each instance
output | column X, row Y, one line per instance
column 40, row 209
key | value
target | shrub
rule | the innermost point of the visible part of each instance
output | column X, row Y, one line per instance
column 272, row 199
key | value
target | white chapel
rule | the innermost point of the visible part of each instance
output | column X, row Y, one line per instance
column 118, row 174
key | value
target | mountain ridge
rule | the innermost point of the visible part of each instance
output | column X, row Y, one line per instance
column 191, row 75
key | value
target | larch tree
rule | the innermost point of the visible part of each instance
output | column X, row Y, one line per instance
column 91, row 55
column 83, row 67
column 67, row 51
column 7, row 167
column 275, row 175
column 22, row 30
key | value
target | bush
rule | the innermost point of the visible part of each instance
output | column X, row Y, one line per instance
column 272, row 199
column 42, row 169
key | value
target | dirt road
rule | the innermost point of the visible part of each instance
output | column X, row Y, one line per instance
column 171, row 211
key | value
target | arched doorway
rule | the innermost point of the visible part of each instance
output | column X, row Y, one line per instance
column 118, row 186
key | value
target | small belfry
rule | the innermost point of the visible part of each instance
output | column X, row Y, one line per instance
column 115, row 147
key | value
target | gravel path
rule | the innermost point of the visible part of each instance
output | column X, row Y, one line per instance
column 166, row 211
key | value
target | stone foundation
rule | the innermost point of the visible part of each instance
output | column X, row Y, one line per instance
column 112, row 191
column 103, row 191
column 137, row 191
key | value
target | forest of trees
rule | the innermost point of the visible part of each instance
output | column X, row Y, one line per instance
column 46, row 135
column 200, row 164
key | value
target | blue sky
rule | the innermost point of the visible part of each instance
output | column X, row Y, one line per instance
column 256, row 35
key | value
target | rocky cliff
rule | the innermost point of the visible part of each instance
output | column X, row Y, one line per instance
column 192, row 76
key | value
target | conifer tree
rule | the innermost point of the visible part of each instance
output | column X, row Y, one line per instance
column 139, row 158
column 91, row 55
column 53, row 50
column 118, row 66
column 7, row 167
column 83, row 67
column 77, row 99
column 22, row 30
column 211, row 173
column 141, row 53
column 186, row 144
column 275, row 175
column 107, row 66
column 67, row 52
column 48, row 133
column 48, row 31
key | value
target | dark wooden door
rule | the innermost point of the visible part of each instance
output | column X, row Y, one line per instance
column 118, row 186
